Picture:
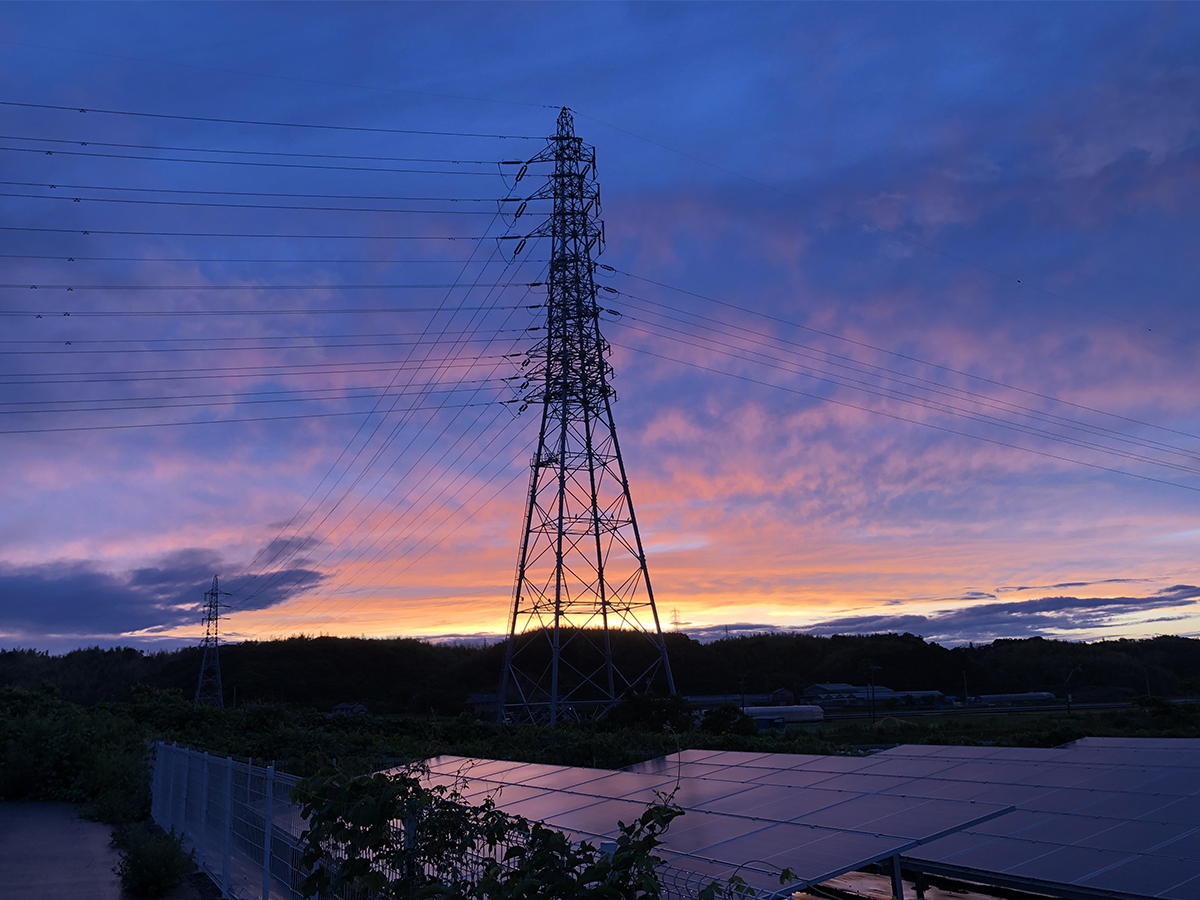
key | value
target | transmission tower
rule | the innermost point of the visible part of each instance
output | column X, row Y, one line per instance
column 584, row 628
column 208, row 689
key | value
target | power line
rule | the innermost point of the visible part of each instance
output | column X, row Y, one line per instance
column 355, row 237
column 353, row 485
column 909, row 380
column 361, row 426
column 276, row 194
column 226, row 395
column 225, row 121
column 240, row 152
column 239, row 162
column 143, row 406
column 232, row 259
column 216, row 421
column 25, row 286
column 258, row 337
column 896, row 353
column 275, row 206
column 222, row 349
column 910, row 421
column 186, row 313
column 295, row 370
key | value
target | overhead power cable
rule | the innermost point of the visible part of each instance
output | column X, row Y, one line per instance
column 75, row 410
column 291, row 370
column 850, row 364
column 329, row 415
column 187, row 313
column 223, row 234
column 274, row 560
column 225, row 121
column 292, row 196
column 900, row 418
column 232, row 259
column 423, row 515
column 891, row 394
column 897, row 353
column 418, row 341
column 310, row 530
column 224, row 338
column 275, row 206
column 284, row 153
column 225, row 395
column 23, row 286
column 925, row 402
column 243, row 162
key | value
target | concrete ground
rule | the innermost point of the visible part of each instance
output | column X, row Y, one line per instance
column 49, row 853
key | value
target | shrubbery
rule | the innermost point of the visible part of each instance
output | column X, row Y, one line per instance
column 153, row 862
column 387, row 836
column 54, row 750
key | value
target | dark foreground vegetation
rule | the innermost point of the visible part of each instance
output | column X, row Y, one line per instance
column 79, row 727
column 408, row 676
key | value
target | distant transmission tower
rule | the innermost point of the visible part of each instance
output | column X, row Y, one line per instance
column 584, row 628
column 208, row 689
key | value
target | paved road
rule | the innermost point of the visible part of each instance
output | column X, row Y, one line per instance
column 49, row 853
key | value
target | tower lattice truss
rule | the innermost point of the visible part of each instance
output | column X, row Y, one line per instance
column 208, row 688
column 584, row 629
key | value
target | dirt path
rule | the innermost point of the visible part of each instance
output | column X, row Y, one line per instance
column 49, row 853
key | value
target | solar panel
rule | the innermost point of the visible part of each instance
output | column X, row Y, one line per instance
column 1103, row 815
column 1089, row 815
column 1187, row 890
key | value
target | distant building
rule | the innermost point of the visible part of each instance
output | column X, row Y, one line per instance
column 766, row 717
column 485, row 706
column 777, row 697
column 1013, row 699
column 349, row 709
column 841, row 696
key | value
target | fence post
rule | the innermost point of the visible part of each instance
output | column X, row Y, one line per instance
column 187, row 776
column 203, row 830
column 169, row 811
column 267, row 824
column 156, row 783
column 227, row 843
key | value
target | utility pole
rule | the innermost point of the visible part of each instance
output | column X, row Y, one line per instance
column 208, row 689
column 1067, row 687
column 871, row 670
column 581, row 573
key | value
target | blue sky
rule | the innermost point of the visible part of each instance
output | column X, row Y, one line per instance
column 991, row 207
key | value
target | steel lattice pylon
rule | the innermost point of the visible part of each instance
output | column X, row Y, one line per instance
column 584, row 628
column 208, row 688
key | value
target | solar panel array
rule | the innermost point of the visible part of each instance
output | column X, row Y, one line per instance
column 1111, row 817
column 754, row 822
column 1105, row 817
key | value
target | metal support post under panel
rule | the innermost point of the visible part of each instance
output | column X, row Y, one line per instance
column 897, row 879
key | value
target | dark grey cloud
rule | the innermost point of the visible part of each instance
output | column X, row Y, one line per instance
column 79, row 599
column 1056, row 615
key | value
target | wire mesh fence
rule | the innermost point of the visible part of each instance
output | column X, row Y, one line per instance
column 235, row 816
column 245, row 832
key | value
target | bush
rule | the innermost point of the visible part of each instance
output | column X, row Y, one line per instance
column 728, row 719
column 153, row 862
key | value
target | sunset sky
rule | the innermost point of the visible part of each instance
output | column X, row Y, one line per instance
column 905, row 317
